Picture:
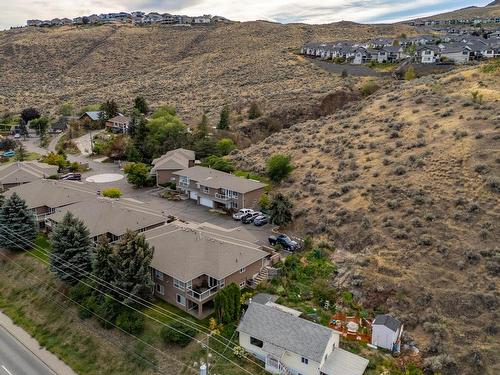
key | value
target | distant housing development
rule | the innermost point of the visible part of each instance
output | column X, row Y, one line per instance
column 426, row 49
column 136, row 18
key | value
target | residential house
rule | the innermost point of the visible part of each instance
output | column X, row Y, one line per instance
column 202, row 19
column 94, row 18
column 91, row 117
column 23, row 172
column 381, row 43
column 118, row 124
column 168, row 19
column 153, row 17
column 192, row 262
column 428, row 54
column 66, row 21
column 106, row 217
column 172, row 161
column 62, row 124
column 44, row 196
column 288, row 344
column 78, row 20
column 220, row 19
column 362, row 56
column 456, row 52
column 386, row 332
column 216, row 189
column 55, row 22
column 33, row 22
column 394, row 53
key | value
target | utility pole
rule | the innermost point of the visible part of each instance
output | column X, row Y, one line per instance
column 91, row 145
column 208, row 350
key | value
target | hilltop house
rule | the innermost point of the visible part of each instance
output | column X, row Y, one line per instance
column 386, row 332
column 172, row 161
column 44, row 196
column 192, row 262
column 105, row 217
column 118, row 124
column 457, row 52
column 215, row 189
column 23, row 172
column 288, row 344
column 428, row 54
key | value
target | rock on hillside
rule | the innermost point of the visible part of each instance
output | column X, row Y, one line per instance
column 195, row 69
column 406, row 183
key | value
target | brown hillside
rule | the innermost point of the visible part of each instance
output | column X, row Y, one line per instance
column 492, row 10
column 195, row 69
column 406, row 184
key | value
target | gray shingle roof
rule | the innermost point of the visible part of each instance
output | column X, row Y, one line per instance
column 215, row 179
column 388, row 321
column 286, row 331
column 24, row 172
column 102, row 215
column 94, row 115
column 173, row 160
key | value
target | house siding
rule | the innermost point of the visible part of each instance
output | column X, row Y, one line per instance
column 165, row 175
column 383, row 337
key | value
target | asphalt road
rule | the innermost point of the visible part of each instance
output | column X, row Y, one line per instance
column 15, row 359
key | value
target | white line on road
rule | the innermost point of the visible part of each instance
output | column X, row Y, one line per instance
column 8, row 372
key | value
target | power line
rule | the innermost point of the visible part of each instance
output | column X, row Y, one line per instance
column 121, row 302
column 140, row 300
column 99, row 317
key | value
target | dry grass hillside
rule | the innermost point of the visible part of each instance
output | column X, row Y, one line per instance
column 406, row 184
column 469, row 12
column 195, row 69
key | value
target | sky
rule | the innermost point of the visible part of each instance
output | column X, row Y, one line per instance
column 16, row 12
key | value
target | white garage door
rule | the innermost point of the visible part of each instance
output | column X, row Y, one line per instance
column 193, row 195
column 207, row 202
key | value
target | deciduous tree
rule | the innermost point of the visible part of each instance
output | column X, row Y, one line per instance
column 279, row 167
column 141, row 105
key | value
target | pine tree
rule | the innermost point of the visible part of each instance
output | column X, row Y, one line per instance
column 254, row 111
column 103, row 264
column 17, row 224
column 133, row 258
column 21, row 152
column 224, row 119
column 71, row 255
column 202, row 128
column 141, row 105
column 280, row 210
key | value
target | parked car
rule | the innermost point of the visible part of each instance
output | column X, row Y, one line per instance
column 261, row 220
column 8, row 154
column 17, row 136
column 286, row 242
column 244, row 211
column 249, row 218
column 71, row 177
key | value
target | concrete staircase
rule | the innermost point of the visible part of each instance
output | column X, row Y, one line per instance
column 262, row 276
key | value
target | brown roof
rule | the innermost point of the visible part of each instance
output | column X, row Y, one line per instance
column 120, row 119
column 213, row 178
column 186, row 251
column 173, row 160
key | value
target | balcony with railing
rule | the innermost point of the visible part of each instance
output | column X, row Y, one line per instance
column 222, row 197
column 202, row 293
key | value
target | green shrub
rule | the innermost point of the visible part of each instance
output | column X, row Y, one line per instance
column 130, row 321
column 108, row 309
column 80, row 292
column 112, row 193
column 369, row 88
column 177, row 333
column 279, row 167
column 89, row 306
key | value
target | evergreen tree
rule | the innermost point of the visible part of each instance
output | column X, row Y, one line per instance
column 141, row 105
column 202, row 128
column 224, row 118
column 109, row 110
column 227, row 304
column 254, row 111
column 20, row 152
column 280, row 210
column 103, row 263
column 17, row 224
column 71, row 255
column 133, row 258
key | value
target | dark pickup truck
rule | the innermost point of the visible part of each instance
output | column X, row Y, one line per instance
column 284, row 241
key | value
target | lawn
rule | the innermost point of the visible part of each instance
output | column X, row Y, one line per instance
column 30, row 156
column 254, row 176
column 42, row 248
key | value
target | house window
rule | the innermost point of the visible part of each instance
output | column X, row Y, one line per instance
column 256, row 342
column 243, row 284
column 222, row 283
column 304, row 360
column 160, row 289
column 206, row 190
column 242, row 270
column 234, row 205
column 181, row 300
column 159, row 275
column 179, row 284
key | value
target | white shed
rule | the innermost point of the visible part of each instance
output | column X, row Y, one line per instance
column 386, row 332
